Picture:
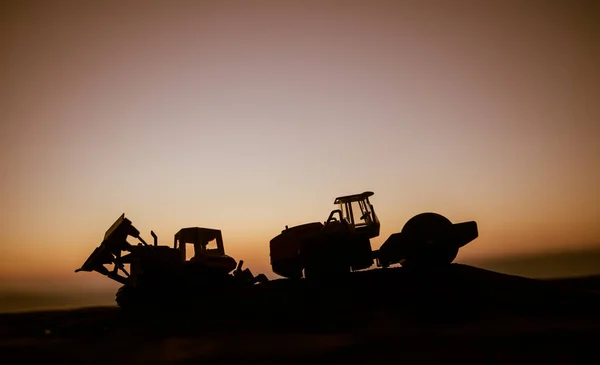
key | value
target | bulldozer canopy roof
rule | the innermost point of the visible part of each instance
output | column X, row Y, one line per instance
column 197, row 234
column 352, row 198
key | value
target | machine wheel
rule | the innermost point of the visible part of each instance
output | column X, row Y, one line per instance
column 325, row 262
column 326, row 269
column 441, row 256
column 426, row 225
column 428, row 232
column 125, row 297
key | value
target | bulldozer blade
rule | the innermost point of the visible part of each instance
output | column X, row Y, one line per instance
column 110, row 250
column 97, row 260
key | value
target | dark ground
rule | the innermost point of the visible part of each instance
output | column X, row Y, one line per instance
column 459, row 315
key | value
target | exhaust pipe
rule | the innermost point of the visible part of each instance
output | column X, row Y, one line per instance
column 155, row 238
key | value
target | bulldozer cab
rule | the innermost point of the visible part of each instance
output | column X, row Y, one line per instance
column 358, row 213
column 207, row 249
column 204, row 240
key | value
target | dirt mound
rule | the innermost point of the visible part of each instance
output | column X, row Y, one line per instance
column 368, row 317
column 456, row 293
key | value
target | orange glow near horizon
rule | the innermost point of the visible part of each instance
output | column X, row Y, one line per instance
column 247, row 118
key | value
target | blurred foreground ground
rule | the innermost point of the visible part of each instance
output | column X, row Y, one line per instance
column 464, row 316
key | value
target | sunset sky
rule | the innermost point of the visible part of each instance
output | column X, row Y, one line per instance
column 247, row 116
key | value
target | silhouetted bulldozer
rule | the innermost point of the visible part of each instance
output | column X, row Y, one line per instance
column 342, row 244
column 162, row 275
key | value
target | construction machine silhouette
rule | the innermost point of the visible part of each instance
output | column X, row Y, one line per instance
column 342, row 244
column 162, row 275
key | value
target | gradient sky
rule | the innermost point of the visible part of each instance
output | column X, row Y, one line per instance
column 247, row 116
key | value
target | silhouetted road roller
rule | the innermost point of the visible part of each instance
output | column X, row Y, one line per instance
column 342, row 243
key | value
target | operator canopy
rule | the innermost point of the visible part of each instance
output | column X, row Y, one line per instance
column 197, row 234
column 200, row 237
column 353, row 197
